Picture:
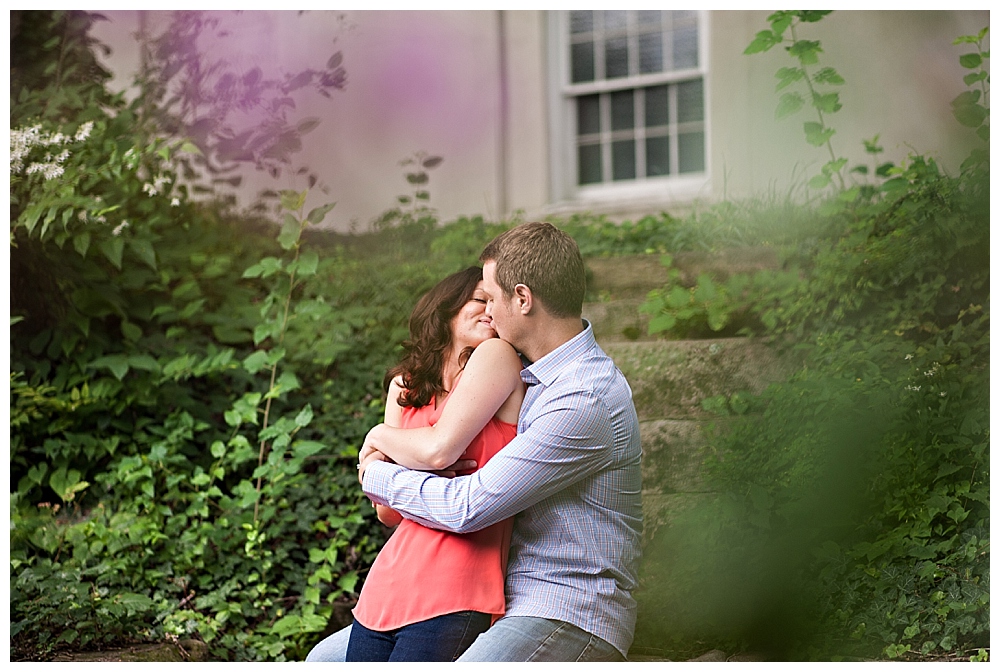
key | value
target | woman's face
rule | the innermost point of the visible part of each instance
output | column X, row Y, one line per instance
column 471, row 326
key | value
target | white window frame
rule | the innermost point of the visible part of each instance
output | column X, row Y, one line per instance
column 653, row 191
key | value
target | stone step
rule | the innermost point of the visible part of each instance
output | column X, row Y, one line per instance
column 618, row 320
column 670, row 379
column 673, row 452
column 632, row 276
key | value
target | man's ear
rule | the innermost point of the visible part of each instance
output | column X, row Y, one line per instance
column 523, row 298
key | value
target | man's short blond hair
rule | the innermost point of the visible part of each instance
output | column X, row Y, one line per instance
column 547, row 260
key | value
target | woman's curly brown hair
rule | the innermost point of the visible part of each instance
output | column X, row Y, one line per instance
column 430, row 338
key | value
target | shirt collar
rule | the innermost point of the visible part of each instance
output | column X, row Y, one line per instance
column 547, row 369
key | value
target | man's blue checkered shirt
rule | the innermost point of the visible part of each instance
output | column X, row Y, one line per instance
column 571, row 477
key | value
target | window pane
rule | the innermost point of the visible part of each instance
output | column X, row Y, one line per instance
column 657, row 108
column 583, row 62
column 590, row 164
column 581, row 22
column 679, row 14
column 686, row 47
column 648, row 20
column 651, row 52
column 657, row 156
column 690, row 105
column 588, row 115
column 615, row 20
column 623, row 159
column 691, row 151
column 622, row 110
column 616, row 58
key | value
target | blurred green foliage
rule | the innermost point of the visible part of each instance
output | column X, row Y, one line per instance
column 853, row 516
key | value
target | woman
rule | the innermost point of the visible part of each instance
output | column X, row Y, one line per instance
column 431, row 593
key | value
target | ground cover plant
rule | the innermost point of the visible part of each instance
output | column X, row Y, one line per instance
column 189, row 386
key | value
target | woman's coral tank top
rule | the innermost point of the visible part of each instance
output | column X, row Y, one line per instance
column 422, row 573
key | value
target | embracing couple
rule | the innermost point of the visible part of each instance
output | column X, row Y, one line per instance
column 530, row 552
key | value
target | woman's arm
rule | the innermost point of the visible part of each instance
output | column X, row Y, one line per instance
column 491, row 382
column 393, row 417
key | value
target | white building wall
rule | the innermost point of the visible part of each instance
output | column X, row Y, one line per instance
column 431, row 81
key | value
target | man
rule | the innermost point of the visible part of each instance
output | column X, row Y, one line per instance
column 571, row 476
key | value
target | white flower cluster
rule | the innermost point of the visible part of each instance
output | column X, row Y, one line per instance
column 156, row 185
column 23, row 140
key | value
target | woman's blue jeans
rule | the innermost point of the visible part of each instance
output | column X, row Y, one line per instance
column 511, row 639
column 440, row 639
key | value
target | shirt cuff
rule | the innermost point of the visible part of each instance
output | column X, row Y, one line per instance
column 378, row 475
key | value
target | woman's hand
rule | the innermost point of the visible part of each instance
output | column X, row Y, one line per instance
column 372, row 455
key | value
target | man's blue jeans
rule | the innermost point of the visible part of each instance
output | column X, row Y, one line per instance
column 511, row 639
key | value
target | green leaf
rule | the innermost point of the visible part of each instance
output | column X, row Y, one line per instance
column 834, row 166
column 679, row 297
column 143, row 362
column 143, row 248
column 790, row 103
column 663, row 322
column 307, row 448
column 304, row 417
column 872, row 146
column 828, row 76
column 970, row 60
column 113, row 249
column 266, row 267
column 308, row 262
column 849, row 195
column 780, row 21
column 316, row 215
column 820, row 181
column 974, row 77
column 807, row 51
column 130, row 331
column 966, row 98
column 117, row 364
column 293, row 200
column 263, row 331
column 133, row 602
column 287, row 381
column 290, row 232
column 81, row 243
column 984, row 133
column 704, row 290
column 255, row 362
column 764, row 40
column 787, row 76
column 348, row 581
column 827, row 102
column 812, row 15
column 970, row 115
column 895, row 184
column 816, row 134
column 218, row 449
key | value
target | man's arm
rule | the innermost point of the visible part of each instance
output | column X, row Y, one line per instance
column 570, row 441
